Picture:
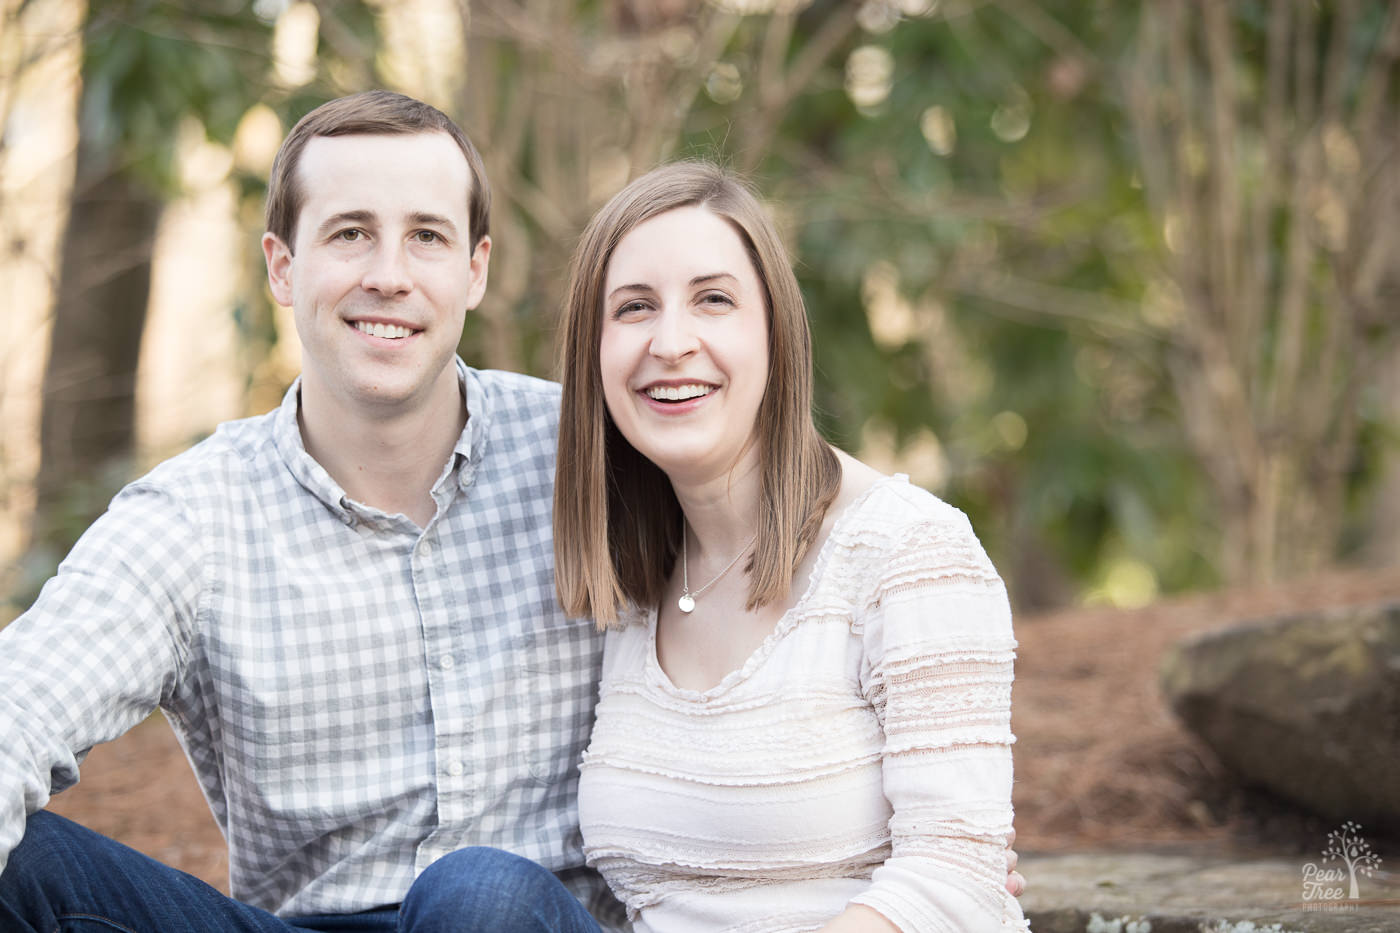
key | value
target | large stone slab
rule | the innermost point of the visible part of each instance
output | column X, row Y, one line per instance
column 1134, row 892
column 1305, row 706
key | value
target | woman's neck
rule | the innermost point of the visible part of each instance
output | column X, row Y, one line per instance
column 721, row 511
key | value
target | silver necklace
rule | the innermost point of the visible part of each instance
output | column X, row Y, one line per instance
column 687, row 600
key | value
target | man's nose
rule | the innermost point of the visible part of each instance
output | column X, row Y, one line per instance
column 387, row 272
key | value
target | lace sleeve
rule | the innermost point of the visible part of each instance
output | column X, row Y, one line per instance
column 938, row 671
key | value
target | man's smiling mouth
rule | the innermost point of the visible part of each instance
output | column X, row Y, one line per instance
column 388, row 331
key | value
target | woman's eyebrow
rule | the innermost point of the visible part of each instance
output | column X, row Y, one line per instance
column 634, row 287
column 698, row 280
column 710, row 277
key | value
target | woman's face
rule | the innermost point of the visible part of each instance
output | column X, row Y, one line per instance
column 684, row 349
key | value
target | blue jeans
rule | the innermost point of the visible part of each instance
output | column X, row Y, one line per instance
column 63, row 878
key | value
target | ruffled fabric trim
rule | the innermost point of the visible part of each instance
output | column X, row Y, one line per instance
column 855, row 573
column 900, row 680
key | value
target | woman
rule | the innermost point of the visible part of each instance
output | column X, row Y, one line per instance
column 804, row 720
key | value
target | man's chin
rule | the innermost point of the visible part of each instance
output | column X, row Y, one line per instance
column 389, row 397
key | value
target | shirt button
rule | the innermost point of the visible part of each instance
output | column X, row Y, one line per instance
column 456, row 769
column 425, row 550
column 446, row 662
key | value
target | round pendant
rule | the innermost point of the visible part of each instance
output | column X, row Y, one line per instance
column 686, row 602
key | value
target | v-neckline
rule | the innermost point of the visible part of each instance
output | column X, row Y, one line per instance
column 786, row 622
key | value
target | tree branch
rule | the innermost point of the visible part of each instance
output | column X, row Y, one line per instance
column 1334, row 67
column 1222, row 258
column 763, row 122
column 1375, row 82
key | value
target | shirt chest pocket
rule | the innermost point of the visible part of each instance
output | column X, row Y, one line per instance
column 556, row 688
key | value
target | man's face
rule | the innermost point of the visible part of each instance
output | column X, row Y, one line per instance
column 381, row 273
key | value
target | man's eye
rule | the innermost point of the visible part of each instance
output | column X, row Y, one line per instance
column 351, row 235
column 427, row 236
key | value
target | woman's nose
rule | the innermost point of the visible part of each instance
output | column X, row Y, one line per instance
column 674, row 335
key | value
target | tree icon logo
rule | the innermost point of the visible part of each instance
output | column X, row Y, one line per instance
column 1346, row 845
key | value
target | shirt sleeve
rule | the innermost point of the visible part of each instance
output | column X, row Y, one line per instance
column 97, row 652
column 939, row 652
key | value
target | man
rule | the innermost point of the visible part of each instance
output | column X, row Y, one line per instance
column 345, row 607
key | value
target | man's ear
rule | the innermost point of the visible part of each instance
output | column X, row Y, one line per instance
column 480, row 264
column 279, row 268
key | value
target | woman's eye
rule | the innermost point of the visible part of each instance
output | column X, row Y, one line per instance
column 631, row 309
column 717, row 298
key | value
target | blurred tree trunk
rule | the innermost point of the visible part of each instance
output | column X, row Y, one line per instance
column 150, row 72
column 1381, row 545
column 87, row 428
column 1276, row 198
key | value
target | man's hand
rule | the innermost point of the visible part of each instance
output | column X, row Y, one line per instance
column 1015, row 883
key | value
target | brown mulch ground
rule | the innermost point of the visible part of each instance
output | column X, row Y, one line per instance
column 1099, row 760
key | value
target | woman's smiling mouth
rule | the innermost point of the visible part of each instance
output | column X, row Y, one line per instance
column 678, row 393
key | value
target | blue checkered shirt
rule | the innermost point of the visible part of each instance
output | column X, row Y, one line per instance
column 358, row 697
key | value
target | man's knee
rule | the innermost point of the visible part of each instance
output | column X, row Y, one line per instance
column 486, row 888
column 40, row 873
column 45, row 852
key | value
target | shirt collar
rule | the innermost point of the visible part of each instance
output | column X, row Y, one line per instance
column 466, row 454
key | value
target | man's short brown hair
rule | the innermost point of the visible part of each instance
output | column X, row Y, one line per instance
column 374, row 113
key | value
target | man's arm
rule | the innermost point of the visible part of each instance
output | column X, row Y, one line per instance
column 97, row 652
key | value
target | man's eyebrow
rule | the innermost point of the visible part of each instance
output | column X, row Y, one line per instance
column 417, row 218
column 424, row 219
column 344, row 217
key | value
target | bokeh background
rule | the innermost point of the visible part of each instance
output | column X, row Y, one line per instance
column 1118, row 279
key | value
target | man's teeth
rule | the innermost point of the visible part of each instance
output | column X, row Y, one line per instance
column 678, row 393
column 374, row 329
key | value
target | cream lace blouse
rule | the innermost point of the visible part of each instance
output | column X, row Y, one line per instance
column 861, row 755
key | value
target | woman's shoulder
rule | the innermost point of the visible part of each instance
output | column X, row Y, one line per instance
column 900, row 545
column 880, row 510
column 894, row 537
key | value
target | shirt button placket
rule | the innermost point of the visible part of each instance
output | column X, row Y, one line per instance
column 443, row 697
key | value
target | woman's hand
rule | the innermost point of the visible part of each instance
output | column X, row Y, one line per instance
column 861, row 919
column 858, row 918
column 1015, row 883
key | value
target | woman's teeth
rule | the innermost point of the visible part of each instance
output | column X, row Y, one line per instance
column 374, row 329
column 678, row 393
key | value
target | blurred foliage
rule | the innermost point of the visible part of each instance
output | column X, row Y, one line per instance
column 150, row 65
column 148, row 70
column 996, row 177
